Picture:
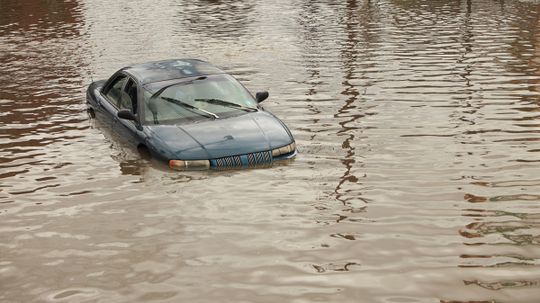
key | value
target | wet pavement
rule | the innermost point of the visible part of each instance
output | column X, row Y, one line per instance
column 418, row 177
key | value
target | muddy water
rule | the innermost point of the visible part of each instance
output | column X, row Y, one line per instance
column 418, row 178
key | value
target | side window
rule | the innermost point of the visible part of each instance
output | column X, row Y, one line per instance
column 115, row 91
column 129, row 97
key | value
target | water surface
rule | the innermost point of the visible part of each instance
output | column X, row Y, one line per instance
column 418, row 178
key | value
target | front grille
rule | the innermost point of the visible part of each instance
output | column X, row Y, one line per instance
column 247, row 160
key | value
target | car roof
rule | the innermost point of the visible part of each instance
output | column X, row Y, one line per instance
column 171, row 69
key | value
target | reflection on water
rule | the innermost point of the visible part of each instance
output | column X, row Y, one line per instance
column 417, row 180
column 216, row 19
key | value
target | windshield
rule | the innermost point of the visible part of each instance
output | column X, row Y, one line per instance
column 208, row 97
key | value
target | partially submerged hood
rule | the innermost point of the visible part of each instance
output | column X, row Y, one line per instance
column 212, row 139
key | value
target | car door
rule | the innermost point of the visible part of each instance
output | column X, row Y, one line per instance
column 129, row 130
column 109, row 99
column 116, row 96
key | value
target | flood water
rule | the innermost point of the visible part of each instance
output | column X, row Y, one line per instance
column 417, row 179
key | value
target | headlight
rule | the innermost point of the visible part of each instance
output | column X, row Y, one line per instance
column 189, row 164
column 284, row 150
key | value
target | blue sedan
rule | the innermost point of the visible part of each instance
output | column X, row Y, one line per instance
column 191, row 115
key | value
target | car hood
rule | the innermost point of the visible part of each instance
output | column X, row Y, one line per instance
column 212, row 139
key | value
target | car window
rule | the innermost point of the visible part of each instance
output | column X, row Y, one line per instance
column 128, row 97
column 114, row 94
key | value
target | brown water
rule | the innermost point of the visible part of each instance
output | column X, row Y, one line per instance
column 418, row 178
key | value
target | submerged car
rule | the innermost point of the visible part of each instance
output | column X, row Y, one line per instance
column 191, row 115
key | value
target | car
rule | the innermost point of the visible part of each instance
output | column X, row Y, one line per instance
column 190, row 114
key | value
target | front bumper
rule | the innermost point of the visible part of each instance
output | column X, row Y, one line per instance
column 251, row 160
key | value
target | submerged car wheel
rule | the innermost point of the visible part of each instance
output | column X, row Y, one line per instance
column 144, row 152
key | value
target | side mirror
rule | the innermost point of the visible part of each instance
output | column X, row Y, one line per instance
column 261, row 96
column 126, row 114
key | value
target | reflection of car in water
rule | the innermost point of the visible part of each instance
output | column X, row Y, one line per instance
column 191, row 115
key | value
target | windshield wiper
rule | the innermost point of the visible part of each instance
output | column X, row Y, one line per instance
column 177, row 83
column 228, row 104
column 191, row 107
